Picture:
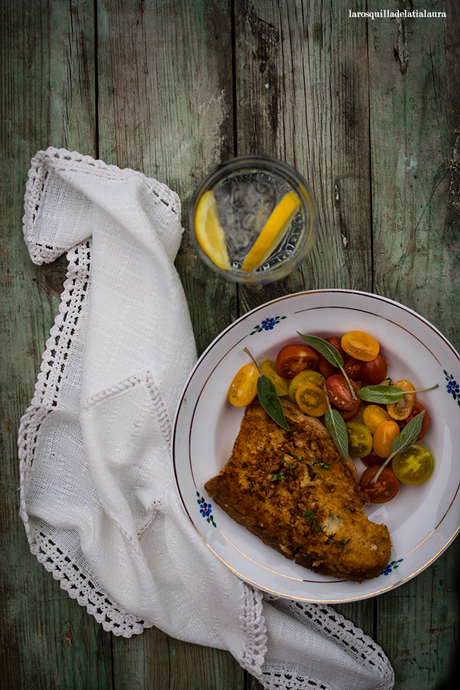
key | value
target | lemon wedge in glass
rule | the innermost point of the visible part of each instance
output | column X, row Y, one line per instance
column 209, row 231
column 273, row 232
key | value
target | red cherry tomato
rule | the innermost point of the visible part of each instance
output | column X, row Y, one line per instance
column 294, row 358
column 373, row 373
column 384, row 489
column 372, row 459
column 336, row 343
column 352, row 368
column 347, row 415
column 326, row 368
column 417, row 408
column 339, row 392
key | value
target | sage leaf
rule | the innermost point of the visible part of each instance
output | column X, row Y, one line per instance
column 385, row 395
column 270, row 401
column 404, row 440
column 326, row 349
column 338, row 430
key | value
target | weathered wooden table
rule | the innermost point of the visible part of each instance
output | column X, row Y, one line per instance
column 366, row 109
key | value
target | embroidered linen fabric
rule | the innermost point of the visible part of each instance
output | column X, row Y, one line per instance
column 98, row 500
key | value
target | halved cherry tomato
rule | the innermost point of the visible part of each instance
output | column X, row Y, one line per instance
column 384, row 489
column 268, row 369
column 311, row 400
column 418, row 407
column 373, row 415
column 339, row 392
column 347, row 415
column 371, row 459
column 243, row 388
column 294, row 358
column 305, row 376
column 360, row 345
column 374, row 372
column 352, row 368
column 403, row 408
column 384, row 435
column 359, row 439
column 414, row 466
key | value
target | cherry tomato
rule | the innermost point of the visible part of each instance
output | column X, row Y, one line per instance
column 339, row 392
column 373, row 415
column 403, row 408
column 359, row 440
column 414, row 466
column 371, row 459
column 268, row 369
column 374, row 372
column 384, row 489
column 243, row 388
column 360, row 345
column 326, row 367
column 294, row 358
column 305, row 376
column 336, row 343
column 418, row 407
column 311, row 400
column 347, row 415
column 384, row 435
column 352, row 368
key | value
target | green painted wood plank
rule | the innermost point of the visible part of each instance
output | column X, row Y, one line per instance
column 48, row 88
column 302, row 96
column 165, row 108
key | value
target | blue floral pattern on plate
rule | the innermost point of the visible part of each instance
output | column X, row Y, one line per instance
column 453, row 388
column 391, row 567
column 267, row 324
column 205, row 509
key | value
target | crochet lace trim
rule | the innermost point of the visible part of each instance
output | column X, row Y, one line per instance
column 326, row 621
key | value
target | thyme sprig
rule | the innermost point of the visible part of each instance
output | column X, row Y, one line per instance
column 312, row 520
column 280, row 475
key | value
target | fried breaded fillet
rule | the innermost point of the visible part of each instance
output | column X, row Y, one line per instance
column 294, row 491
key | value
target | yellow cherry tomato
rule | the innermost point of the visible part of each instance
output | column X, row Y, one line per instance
column 303, row 377
column 403, row 408
column 373, row 415
column 243, row 388
column 268, row 369
column 414, row 465
column 359, row 439
column 384, row 435
column 311, row 400
column 360, row 345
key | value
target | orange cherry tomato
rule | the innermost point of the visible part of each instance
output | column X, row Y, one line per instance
column 384, row 435
column 403, row 408
column 384, row 489
column 418, row 407
column 311, row 400
column 373, row 415
column 294, row 358
column 360, row 345
column 243, row 388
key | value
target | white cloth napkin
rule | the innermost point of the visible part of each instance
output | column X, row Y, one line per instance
column 98, row 499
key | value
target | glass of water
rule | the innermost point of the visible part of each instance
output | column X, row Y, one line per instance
column 253, row 219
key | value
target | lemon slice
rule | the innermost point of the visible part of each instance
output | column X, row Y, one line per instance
column 273, row 232
column 209, row 231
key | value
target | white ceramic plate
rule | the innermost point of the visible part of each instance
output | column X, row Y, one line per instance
column 423, row 520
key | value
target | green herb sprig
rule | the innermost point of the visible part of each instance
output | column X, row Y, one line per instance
column 386, row 395
column 330, row 353
column 269, row 398
column 404, row 440
column 312, row 519
column 337, row 428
